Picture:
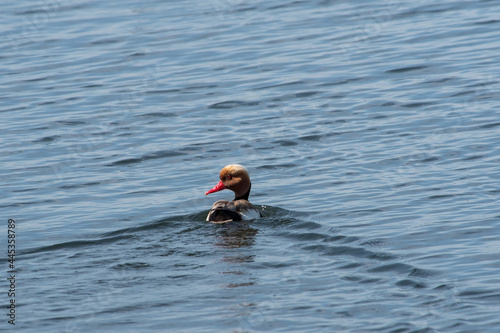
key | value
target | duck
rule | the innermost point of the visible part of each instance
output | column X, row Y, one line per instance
column 233, row 177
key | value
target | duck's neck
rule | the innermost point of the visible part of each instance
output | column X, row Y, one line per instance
column 244, row 196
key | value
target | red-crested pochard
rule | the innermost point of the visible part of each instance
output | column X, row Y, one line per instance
column 233, row 177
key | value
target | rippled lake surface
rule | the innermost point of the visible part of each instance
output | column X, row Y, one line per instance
column 370, row 129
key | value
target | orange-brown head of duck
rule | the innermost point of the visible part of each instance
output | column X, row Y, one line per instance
column 234, row 177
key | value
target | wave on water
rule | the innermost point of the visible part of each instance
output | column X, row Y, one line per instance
column 179, row 223
column 303, row 230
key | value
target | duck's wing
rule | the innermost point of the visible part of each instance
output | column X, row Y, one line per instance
column 246, row 209
column 223, row 211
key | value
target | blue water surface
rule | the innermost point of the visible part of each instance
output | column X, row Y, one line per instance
column 370, row 129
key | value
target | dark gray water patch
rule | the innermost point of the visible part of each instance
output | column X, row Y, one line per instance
column 331, row 134
column 241, row 284
column 429, row 159
column 286, row 5
column 306, row 94
column 351, row 265
column 294, row 96
column 126, row 161
column 438, row 82
column 397, row 266
column 35, row 79
column 482, row 84
column 264, row 148
column 406, row 69
column 158, row 115
column 155, row 155
column 428, row 9
column 88, row 86
column 487, row 22
column 338, row 83
column 404, row 184
column 76, row 244
column 105, row 41
column 137, row 54
column 318, row 248
column 420, row 272
column 131, row 265
column 27, row 203
column 381, row 116
column 286, row 143
column 201, row 87
column 383, row 256
column 376, row 242
column 315, row 137
column 47, row 103
column 352, row 278
column 473, row 292
column 47, row 139
column 74, row 186
column 167, row 252
column 388, row 104
column 410, row 283
column 231, row 104
column 163, row 91
column 242, row 9
column 14, row 109
column 441, row 196
column 416, row 105
column 42, row 11
column 71, row 122
column 49, row 9
column 471, row 158
column 216, row 150
column 444, row 287
column 466, row 92
column 491, row 125
column 21, row 190
column 276, row 166
column 273, row 106
column 197, row 254
column 481, row 294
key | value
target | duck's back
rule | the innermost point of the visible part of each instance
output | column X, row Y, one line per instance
column 237, row 210
column 223, row 211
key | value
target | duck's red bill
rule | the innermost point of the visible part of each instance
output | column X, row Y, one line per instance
column 219, row 187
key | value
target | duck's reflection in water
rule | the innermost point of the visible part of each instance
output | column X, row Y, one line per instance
column 234, row 235
column 238, row 239
column 237, row 235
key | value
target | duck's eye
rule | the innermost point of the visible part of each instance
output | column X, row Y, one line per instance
column 229, row 177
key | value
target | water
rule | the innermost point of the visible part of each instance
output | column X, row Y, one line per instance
column 370, row 130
